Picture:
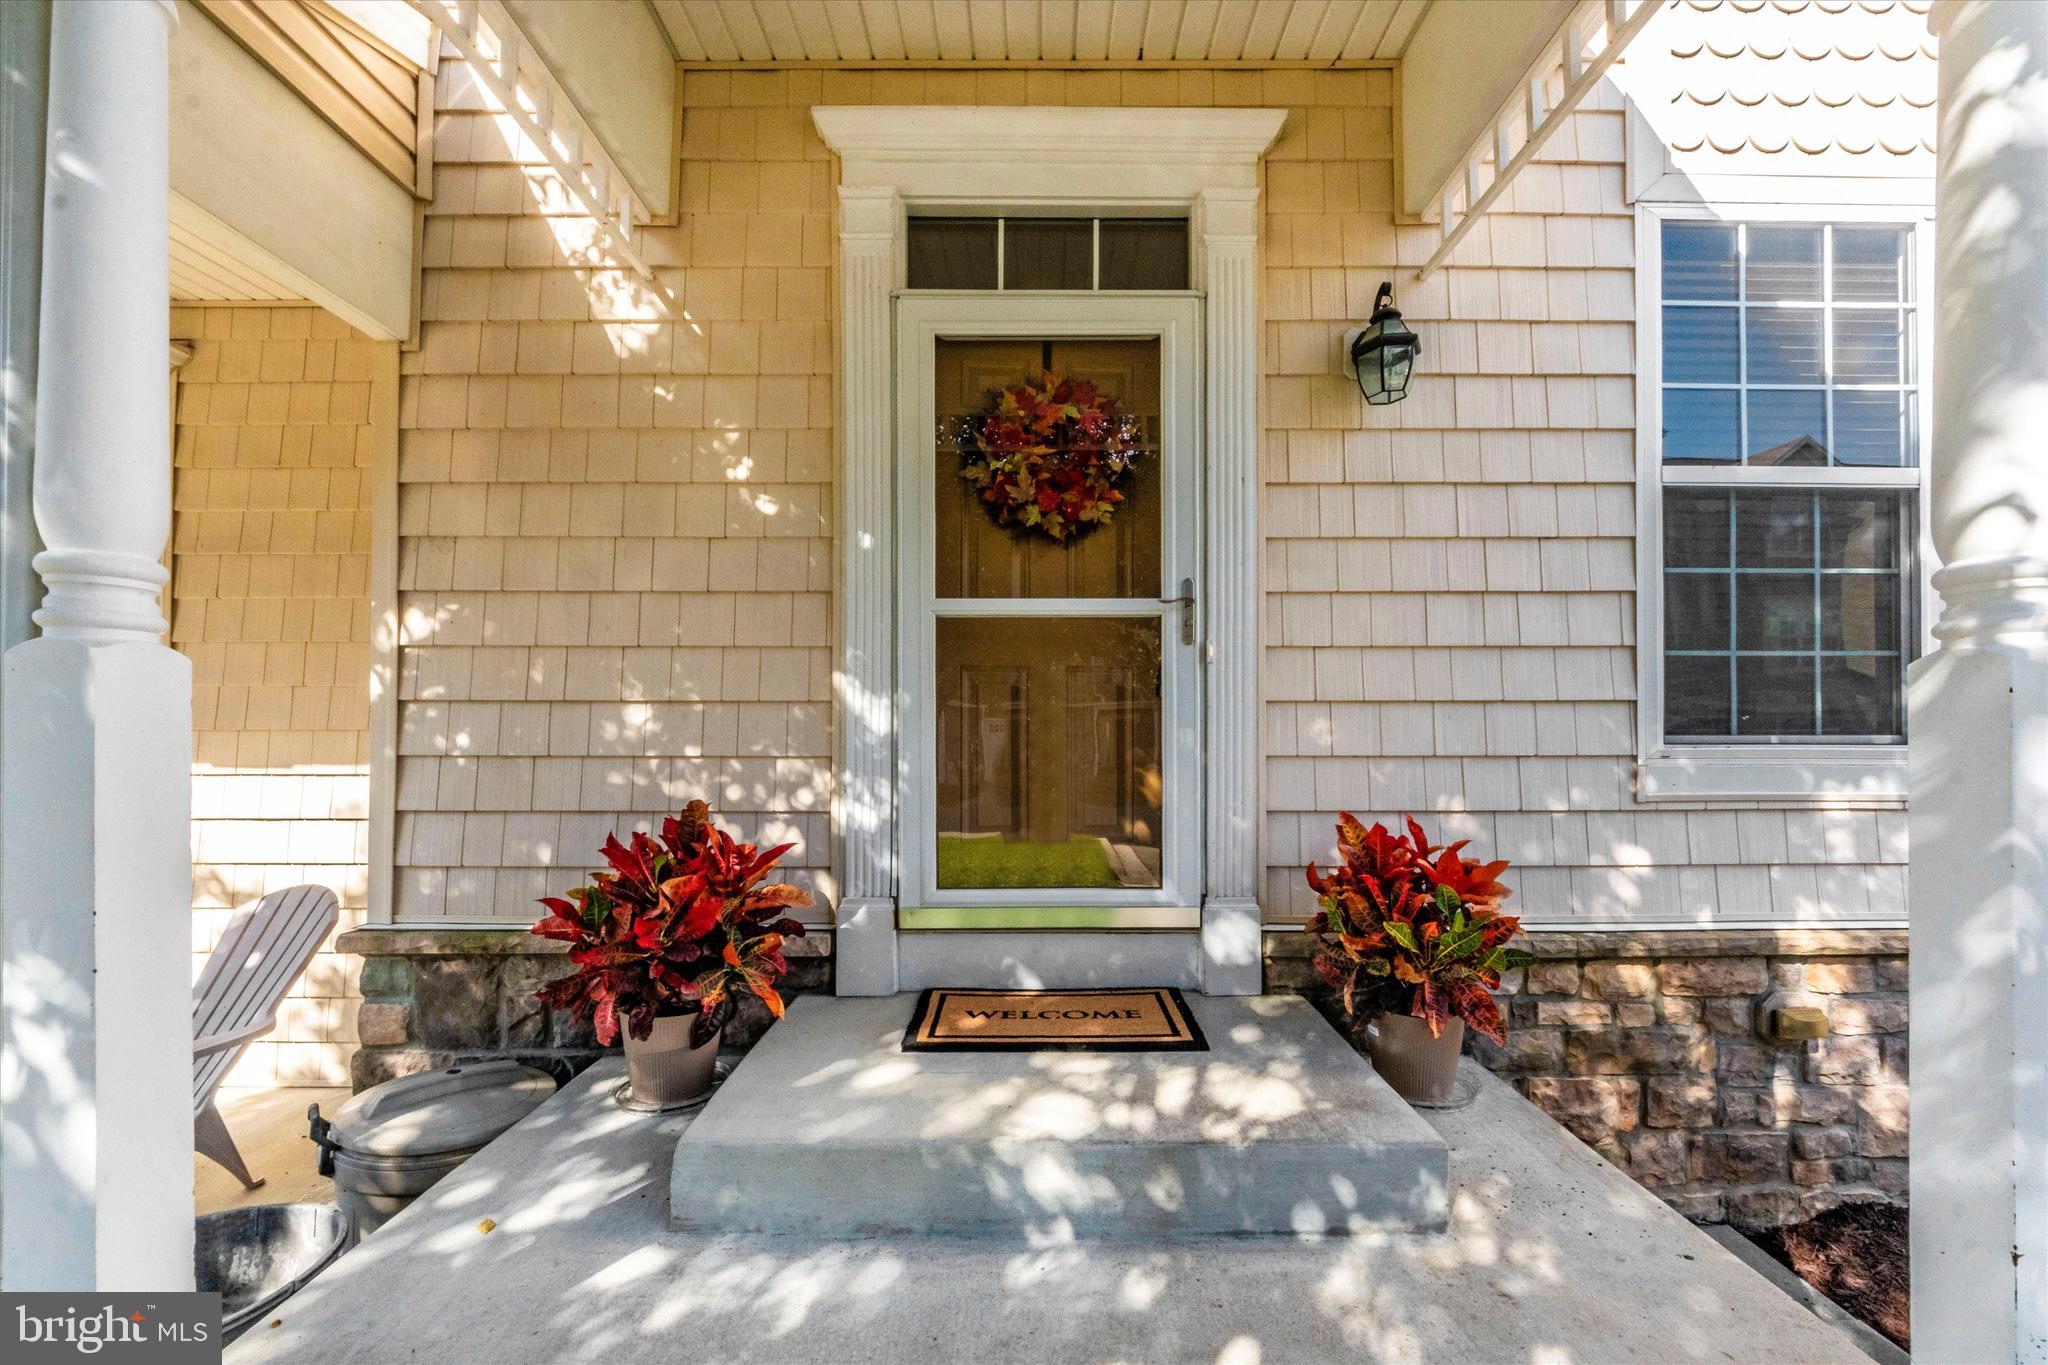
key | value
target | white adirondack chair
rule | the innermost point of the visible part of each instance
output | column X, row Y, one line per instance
column 265, row 949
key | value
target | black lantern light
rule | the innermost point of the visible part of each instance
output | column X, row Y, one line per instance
column 1384, row 353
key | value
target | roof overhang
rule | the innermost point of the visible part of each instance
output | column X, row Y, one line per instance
column 1483, row 87
column 1464, row 62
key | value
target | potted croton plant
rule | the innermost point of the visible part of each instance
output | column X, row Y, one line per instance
column 667, row 943
column 1411, row 937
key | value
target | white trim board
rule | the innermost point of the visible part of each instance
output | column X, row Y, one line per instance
column 386, row 643
column 898, row 159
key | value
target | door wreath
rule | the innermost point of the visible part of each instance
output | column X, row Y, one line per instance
column 1050, row 457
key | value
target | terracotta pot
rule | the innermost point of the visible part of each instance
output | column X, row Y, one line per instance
column 1420, row 1068
column 664, row 1067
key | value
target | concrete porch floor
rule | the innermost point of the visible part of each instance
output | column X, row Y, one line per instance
column 1553, row 1257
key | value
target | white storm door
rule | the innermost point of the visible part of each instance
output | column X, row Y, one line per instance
column 1049, row 693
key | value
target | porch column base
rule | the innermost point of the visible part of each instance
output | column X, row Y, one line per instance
column 1233, row 947
column 97, row 883
column 1978, row 892
column 864, row 947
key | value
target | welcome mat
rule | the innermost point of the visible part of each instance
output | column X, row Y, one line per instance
column 1148, row 1020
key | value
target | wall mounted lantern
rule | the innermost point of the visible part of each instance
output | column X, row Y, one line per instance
column 1383, row 355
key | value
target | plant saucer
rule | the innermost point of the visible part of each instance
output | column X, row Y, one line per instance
column 1464, row 1090
column 622, row 1094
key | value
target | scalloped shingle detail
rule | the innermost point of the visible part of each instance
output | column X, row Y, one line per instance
column 1847, row 77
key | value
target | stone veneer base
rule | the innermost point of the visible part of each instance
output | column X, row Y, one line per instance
column 1643, row 1043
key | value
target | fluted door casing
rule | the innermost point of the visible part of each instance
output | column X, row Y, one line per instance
column 891, row 161
column 865, row 928
column 1232, row 945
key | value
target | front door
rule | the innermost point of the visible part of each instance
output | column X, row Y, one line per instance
column 1049, row 669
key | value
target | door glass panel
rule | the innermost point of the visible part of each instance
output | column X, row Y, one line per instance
column 974, row 555
column 1049, row 752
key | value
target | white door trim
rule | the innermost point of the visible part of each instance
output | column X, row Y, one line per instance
column 1176, row 321
column 896, row 159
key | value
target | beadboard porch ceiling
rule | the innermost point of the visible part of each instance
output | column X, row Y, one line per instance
column 1480, row 76
column 1321, row 31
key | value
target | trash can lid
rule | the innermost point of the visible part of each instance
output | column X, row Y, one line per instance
column 440, row 1111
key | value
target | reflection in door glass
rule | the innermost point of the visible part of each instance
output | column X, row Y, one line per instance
column 975, row 557
column 1049, row 744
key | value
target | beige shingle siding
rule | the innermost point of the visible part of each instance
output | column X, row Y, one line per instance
column 617, row 559
column 270, row 601
column 616, row 567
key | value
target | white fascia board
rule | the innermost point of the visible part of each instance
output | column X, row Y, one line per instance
column 614, row 63
column 1465, row 61
column 260, row 171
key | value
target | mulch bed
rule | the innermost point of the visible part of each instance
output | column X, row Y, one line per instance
column 1856, row 1255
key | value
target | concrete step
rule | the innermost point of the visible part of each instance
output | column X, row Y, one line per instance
column 829, row 1128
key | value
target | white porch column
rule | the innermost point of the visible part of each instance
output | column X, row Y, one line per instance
column 1979, row 715
column 97, row 883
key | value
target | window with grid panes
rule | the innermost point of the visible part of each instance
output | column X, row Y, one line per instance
column 1789, row 390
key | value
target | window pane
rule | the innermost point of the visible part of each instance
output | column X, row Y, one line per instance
column 1696, row 697
column 1870, row 263
column 1699, row 424
column 1862, row 696
column 1859, row 611
column 1774, row 530
column 1784, row 346
column 1859, row 531
column 1843, row 624
column 1696, row 530
column 952, row 253
column 1696, row 611
column 1774, row 696
column 1787, row 427
column 1774, row 611
column 1870, row 427
column 1699, row 346
column 1048, row 253
column 1869, row 346
column 1049, row 762
column 1144, row 253
column 1783, row 263
column 1699, row 261
column 975, row 556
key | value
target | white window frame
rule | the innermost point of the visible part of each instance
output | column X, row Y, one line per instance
column 1816, row 774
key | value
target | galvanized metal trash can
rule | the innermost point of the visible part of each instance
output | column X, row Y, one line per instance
column 390, row 1144
column 256, row 1258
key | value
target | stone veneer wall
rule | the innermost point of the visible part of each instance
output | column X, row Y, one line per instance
column 1644, row 1045
column 434, row 997
column 1647, row 1047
